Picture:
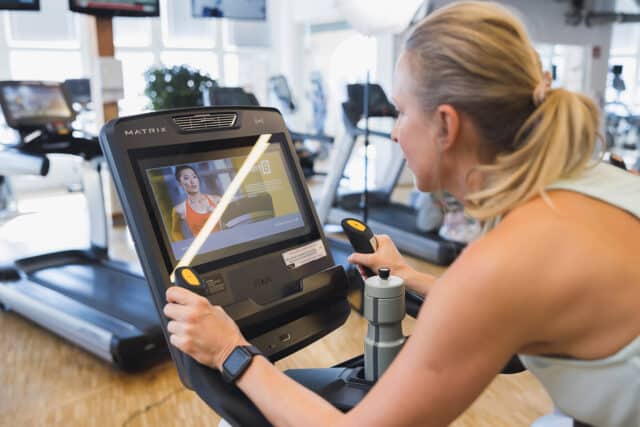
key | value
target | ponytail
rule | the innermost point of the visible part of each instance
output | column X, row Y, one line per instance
column 557, row 141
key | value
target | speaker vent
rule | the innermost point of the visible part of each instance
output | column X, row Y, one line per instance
column 205, row 121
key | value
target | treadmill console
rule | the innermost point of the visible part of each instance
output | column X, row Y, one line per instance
column 267, row 261
column 268, row 219
column 30, row 104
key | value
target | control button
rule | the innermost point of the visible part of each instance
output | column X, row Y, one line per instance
column 284, row 338
column 214, row 285
column 357, row 225
column 189, row 277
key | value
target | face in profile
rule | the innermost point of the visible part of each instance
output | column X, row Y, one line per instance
column 413, row 129
column 189, row 181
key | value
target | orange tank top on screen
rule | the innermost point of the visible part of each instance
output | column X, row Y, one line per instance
column 195, row 220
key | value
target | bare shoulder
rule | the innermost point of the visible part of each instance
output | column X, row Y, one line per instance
column 565, row 258
column 214, row 198
column 517, row 267
column 179, row 209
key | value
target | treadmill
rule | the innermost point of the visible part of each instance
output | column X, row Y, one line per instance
column 227, row 96
column 99, row 304
column 397, row 220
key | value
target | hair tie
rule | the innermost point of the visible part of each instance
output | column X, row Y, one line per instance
column 540, row 92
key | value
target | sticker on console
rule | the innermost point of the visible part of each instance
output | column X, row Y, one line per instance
column 304, row 255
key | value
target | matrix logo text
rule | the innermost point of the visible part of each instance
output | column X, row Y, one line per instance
column 144, row 131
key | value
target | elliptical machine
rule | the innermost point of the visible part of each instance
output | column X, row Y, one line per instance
column 102, row 305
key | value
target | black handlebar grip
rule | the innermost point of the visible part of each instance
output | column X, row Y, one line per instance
column 188, row 278
column 361, row 238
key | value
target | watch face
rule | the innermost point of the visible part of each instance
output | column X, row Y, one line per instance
column 236, row 362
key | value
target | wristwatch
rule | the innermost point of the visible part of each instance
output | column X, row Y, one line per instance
column 238, row 362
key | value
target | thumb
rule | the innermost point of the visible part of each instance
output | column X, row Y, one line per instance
column 360, row 258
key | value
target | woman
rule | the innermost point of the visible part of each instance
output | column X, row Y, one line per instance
column 196, row 207
column 555, row 278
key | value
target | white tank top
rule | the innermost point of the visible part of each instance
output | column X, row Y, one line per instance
column 604, row 392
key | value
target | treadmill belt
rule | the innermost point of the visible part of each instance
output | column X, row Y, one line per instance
column 120, row 294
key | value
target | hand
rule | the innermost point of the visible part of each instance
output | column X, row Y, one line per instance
column 203, row 331
column 386, row 255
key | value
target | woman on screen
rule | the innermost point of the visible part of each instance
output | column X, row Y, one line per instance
column 196, row 207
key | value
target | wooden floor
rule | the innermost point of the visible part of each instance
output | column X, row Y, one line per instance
column 44, row 381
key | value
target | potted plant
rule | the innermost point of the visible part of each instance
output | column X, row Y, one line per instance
column 175, row 87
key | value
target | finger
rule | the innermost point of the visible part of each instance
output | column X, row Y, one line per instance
column 359, row 258
column 175, row 327
column 383, row 240
column 363, row 274
column 180, row 342
column 176, row 311
column 178, row 295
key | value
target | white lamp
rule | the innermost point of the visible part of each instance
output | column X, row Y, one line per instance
column 372, row 17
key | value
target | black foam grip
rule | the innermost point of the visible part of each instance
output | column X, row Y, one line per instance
column 360, row 240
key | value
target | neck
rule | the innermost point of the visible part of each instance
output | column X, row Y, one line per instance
column 460, row 164
column 462, row 180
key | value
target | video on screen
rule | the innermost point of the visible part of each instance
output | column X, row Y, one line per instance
column 186, row 195
column 31, row 101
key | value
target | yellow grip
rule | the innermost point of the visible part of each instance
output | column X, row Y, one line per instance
column 357, row 225
column 189, row 277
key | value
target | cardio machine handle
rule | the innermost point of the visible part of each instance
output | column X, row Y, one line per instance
column 364, row 241
column 361, row 238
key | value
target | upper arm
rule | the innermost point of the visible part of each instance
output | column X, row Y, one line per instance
column 176, row 227
column 477, row 315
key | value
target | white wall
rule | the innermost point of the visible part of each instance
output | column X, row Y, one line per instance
column 545, row 21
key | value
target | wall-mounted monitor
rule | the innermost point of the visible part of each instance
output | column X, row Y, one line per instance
column 116, row 7
column 232, row 9
column 19, row 4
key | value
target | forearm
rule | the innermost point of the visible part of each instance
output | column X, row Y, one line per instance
column 417, row 281
column 273, row 393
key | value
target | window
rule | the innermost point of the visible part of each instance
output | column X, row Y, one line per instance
column 249, row 70
column 130, row 32
column 60, row 65
column 53, row 37
column 181, row 30
column 569, row 63
column 625, row 51
column 54, row 26
column 134, row 64
column 44, row 45
column 204, row 61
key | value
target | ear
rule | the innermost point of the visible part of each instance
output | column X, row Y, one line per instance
column 448, row 122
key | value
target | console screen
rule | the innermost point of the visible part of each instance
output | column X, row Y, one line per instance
column 35, row 101
column 186, row 188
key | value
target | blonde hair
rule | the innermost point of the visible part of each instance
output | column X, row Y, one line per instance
column 476, row 56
